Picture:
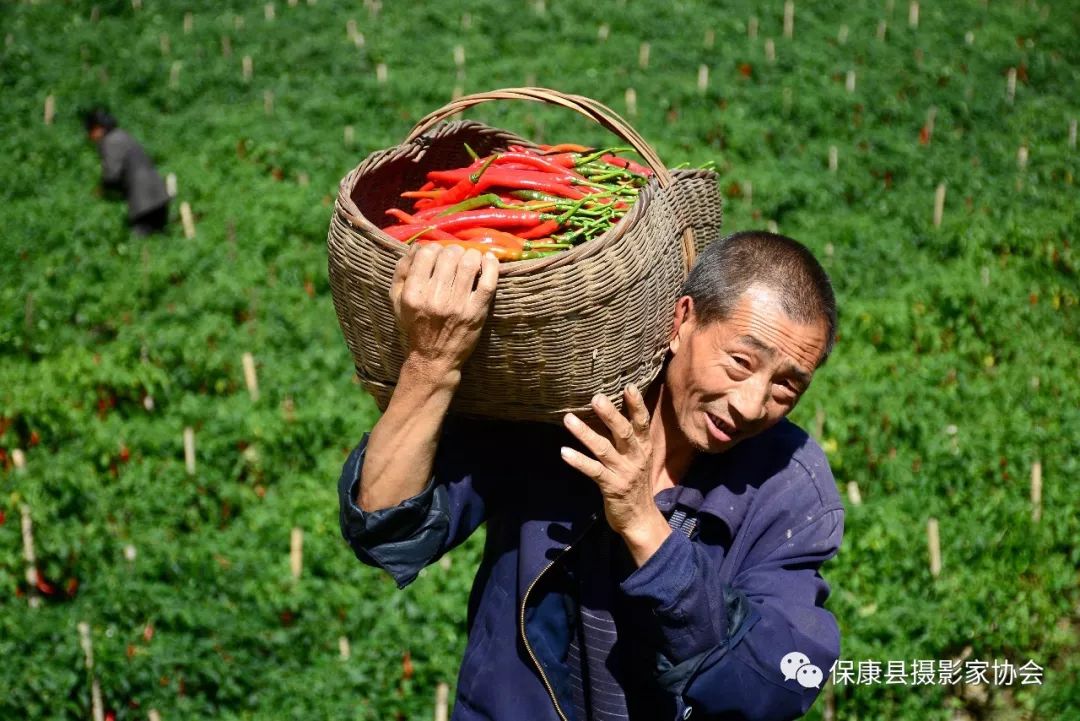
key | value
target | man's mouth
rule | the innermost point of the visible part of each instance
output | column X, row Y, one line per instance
column 720, row 429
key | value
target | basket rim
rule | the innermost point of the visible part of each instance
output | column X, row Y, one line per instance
column 349, row 212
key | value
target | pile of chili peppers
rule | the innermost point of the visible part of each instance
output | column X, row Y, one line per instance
column 524, row 202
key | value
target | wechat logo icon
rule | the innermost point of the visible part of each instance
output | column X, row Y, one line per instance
column 797, row 667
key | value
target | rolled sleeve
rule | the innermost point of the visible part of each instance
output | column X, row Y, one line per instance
column 401, row 539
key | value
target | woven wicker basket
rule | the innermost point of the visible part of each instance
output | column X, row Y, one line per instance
column 561, row 328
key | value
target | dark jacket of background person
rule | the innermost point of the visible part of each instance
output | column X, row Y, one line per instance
column 126, row 167
column 714, row 624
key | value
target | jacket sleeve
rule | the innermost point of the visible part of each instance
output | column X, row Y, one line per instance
column 759, row 648
column 461, row 493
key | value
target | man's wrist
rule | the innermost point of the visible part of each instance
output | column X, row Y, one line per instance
column 644, row 538
column 435, row 375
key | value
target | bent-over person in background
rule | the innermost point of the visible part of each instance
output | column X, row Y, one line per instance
column 665, row 569
column 126, row 167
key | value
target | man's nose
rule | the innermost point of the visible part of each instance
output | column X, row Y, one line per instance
column 748, row 403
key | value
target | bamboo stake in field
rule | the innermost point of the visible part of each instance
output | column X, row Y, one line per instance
column 97, row 708
column 189, row 22
column 643, row 55
column 772, row 227
column 789, row 19
column 459, row 56
column 631, row 101
column 226, row 46
column 882, row 29
column 50, row 109
column 752, row 28
column 933, row 540
column 1010, row 86
column 31, row 558
column 939, row 204
column 456, row 92
column 187, row 219
column 170, row 184
column 247, row 68
column 748, row 193
column 969, row 38
column 153, row 715
column 602, row 32
column 710, row 39
column 296, row 552
column 442, row 701
column 702, row 79
column 381, row 73
column 268, row 12
column 136, row 4
column 1072, row 133
column 268, row 102
column 853, row 493
column 349, row 136
column 849, row 82
column 466, row 21
column 770, row 50
column 189, row 450
column 841, row 35
column 913, row 14
column 238, row 22
column 834, row 158
column 931, row 117
column 1022, row 157
column 166, row 46
column 1036, row 491
column 344, row 652
column 174, row 74
column 250, row 378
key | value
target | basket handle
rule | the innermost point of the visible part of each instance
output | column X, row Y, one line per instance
column 599, row 113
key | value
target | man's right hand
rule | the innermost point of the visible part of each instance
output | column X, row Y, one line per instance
column 441, row 297
column 441, row 315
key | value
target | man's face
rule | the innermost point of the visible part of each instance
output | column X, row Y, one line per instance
column 96, row 133
column 733, row 379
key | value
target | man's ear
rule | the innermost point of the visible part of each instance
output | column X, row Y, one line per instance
column 684, row 322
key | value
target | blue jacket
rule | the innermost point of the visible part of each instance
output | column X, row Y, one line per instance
column 733, row 614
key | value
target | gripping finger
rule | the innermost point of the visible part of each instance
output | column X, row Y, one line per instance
column 601, row 447
column 639, row 413
column 401, row 272
column 489, row 278
column 468, row 268
column 621, row 430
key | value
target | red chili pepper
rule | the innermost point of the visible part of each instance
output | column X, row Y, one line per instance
column 627, row 164
column 565, row 148
column 490, row 217
column 497, row 250
column 402, row 216
column 544, row 229
column 404, row 232
column 423, row 193
column 541, row 162
column 492, row 236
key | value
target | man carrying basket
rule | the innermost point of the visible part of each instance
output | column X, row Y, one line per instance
column 664, row 568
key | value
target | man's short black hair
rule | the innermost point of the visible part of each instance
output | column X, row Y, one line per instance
column 727, row 268
column 98, row 117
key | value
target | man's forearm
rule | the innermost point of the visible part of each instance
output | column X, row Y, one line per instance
column 401, row 448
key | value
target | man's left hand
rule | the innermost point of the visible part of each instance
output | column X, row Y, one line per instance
column 621, row 467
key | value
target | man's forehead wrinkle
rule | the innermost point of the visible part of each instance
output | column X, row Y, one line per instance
column 749, row 320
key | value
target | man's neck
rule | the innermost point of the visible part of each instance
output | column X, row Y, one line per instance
column 672, row 453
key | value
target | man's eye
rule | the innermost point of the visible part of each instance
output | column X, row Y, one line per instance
column 741, row 360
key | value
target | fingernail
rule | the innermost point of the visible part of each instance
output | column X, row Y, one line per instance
column 565, row 452
column 570, row 419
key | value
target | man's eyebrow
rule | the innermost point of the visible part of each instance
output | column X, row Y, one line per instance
column 757, row 344
column 767, row 350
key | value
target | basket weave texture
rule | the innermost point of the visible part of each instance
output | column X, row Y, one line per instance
column 562, row 328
